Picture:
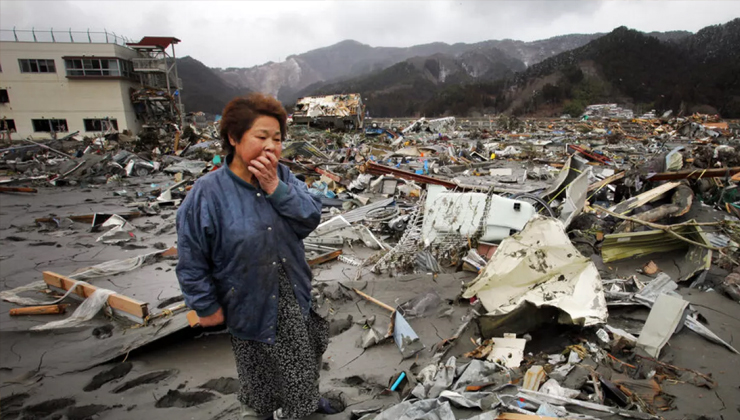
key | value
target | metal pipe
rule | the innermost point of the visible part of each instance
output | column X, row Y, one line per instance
column 49, row 148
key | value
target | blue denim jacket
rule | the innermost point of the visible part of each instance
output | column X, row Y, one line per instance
column 231, row 240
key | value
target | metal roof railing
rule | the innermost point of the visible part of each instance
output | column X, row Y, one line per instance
column 52, row 35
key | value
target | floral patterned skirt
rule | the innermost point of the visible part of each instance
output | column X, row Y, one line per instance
column 284, row 375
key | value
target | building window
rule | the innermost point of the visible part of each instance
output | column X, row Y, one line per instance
column 4, row 99
column 7, row 125
column 98, row 67
column 100, row 124
column 37, row 66
column 48, row 126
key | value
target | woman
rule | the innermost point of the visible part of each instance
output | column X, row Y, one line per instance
column 242, row 263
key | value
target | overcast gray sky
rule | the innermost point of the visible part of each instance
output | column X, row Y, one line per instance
column 248, row 33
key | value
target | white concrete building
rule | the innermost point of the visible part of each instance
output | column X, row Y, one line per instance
column 55, row 88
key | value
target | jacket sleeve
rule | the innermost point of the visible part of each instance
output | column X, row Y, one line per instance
column 293, row 201
column 194, row 268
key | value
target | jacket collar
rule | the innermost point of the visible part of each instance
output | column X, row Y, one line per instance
column 235, row 177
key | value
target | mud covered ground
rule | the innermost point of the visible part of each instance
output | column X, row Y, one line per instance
column 190, row 373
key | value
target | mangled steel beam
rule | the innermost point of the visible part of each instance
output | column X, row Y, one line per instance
column 377, row 169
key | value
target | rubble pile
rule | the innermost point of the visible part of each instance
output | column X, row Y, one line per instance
column 564, row 254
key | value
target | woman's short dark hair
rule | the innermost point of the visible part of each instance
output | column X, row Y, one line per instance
column 239, row 116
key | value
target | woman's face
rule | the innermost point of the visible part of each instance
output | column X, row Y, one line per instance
column 264, row 136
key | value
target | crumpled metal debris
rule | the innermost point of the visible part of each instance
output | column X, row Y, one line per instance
column 541, row 266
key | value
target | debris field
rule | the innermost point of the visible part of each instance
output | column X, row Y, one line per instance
column 503, row 269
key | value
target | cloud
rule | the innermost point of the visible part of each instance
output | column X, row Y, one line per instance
column 242, row 34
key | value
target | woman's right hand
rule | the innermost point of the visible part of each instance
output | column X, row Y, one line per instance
column 212, row 320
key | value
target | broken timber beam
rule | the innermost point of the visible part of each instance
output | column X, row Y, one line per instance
column 18, row 189
column 375, row 301
column 325, row 257
column 122, row 304
column 696, row 174
column 40, row 310
column 589, row 154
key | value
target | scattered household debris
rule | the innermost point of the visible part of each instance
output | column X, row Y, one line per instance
column 522, row 268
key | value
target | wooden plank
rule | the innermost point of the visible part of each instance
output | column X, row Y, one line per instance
column 18, row 189
column 324, row 258
column 591, row 155
column 39, row 310
column 375, row 301
column 696, row 174
column 177, row 140
column 118, row 302
column 606, row 181
column 330, row 175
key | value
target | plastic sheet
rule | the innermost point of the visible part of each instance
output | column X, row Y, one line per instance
column 418, row 410
column 552, row 387
column 86, row 311
column 37, row 286
column 119, row 232
column 488, row 415
column 482, row 400
column 422, row 305
column 12, row 295
column 113, row 267
column 443, row 379
column 479, row 372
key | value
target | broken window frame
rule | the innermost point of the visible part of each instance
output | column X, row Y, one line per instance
column 7, row 124
column 49, row 125
column 4, row 98
column 37, row 65
column 92, row 67
column 98, row 124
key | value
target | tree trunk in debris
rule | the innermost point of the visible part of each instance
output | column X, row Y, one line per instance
column 680, row 205
column 731, row 286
